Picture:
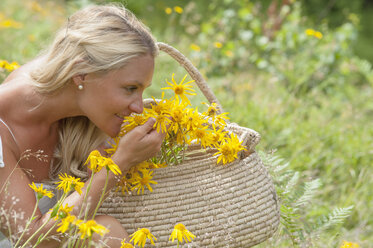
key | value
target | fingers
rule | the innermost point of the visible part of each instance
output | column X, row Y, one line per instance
column 147, row 127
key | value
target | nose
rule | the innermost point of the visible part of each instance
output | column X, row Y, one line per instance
column 137, row 106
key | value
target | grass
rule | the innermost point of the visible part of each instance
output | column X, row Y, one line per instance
column 322, row 135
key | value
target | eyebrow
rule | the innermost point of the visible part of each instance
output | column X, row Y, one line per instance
column 139, row 83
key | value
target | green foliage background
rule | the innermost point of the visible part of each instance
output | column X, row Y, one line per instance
column 309, row 98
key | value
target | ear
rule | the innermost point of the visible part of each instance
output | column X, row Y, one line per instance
column 78, row 79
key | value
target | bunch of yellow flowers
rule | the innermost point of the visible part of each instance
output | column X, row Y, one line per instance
column 184, row 126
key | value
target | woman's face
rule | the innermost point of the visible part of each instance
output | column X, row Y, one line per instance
column 106, row 99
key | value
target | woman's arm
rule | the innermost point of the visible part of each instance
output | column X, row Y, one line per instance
column 140, row 144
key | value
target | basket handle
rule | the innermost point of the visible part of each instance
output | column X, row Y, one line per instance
column 193, row 72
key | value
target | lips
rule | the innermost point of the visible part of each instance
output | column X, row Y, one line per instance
column 120, row 116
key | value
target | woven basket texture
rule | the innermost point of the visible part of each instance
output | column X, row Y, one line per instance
column 232, row 205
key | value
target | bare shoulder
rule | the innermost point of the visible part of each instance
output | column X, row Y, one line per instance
column 24, row 69
column 15, row 194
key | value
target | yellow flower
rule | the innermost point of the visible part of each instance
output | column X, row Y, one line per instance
column 63, row 212
column 310, row 32
column 202, row 135
column 139, row 182
column 349, row 245
column 181, row 232
column 126, row 245
column 9, row 66
column 90, row 227
column 8, row 23
column 318, row 35
column 95, row 161
column 68, row 183
column 218, row 44
column 40, row 191
column 228, row 149
column 111, row 166
column 65, row 223
column 182, row 89
column 195, row 47
column 178, row 9
column 141, row 235
column 314, row 33
column 112, row 145
column 168, row 10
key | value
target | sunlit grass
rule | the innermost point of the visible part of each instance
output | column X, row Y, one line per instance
column 326, row 136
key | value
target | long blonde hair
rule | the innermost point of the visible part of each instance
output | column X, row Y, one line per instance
column 95, row 39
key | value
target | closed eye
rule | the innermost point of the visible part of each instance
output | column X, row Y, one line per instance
column 131, row 89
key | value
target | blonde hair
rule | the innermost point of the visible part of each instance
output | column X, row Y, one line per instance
column 95, row 39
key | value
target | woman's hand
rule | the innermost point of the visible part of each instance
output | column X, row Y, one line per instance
column 141, row 143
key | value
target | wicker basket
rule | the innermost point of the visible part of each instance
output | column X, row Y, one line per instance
column 234, row 205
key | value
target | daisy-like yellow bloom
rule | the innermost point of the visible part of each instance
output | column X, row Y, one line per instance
column 168, row 10
column 125, row 245
column 9, row 66
column 9, row 23
column 141, row 235
column 318, row 35
column 228, row 149
column 40, row 191
column 133, row 121
column 178, row 9
column 349, row 245
column 162, row 120
column 89, row 227
column 68, row 183
column 63, row 212
column 180, row 233
column 309, row 32
column 218, row 44
column 111, row 166
column 95, row 161
column 195, row 47
column 65, row 223
column 202, row 135
column 218, row 135
column 182, row 89
column 139, row 182
column 193, row 120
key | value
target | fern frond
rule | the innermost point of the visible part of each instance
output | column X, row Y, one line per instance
column 337, row 216
column 310, row 189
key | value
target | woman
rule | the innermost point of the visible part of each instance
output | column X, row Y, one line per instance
column 67, row 102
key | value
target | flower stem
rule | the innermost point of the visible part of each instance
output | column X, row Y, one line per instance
column 45, row 235
column 102, row 194
column 29, row 221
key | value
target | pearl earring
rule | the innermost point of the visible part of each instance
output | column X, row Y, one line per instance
column 80, row 87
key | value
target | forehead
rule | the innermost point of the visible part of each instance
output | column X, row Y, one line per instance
column 139, row 69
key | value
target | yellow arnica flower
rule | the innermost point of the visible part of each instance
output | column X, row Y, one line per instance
column 40, row 191
column 68, row 183
column 178, row 9
column 182, row 89
column 9, row 66
column 95, row 161
column 126, row 245
column 218, row 44
column 180, row 233
column 168, row 10
column 65, row 223
column 141, row 235
column 139, row 182
column 111, row 166
column 63, row 212
column 195, row 47
column 228, row 149
column 349, row 245
column 90, row 227
column 318, row 35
